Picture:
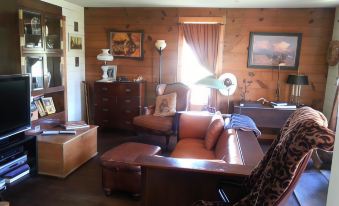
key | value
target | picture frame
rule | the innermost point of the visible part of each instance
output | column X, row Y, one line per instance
column 76, row 26
column 40, row 107
column 76, row 62
column 75, row 42
column 268, row 50
column 127, row 44
column 112, row 72
column 48, row 105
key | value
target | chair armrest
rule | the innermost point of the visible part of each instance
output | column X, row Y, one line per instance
column 149, row 110
column 194, row 165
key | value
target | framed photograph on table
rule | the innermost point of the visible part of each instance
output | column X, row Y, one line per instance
column 127, row 44
column 48, row 105
column 40, row 107
column 268, row 50
column 112, row 72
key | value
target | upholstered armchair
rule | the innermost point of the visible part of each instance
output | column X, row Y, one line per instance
column 163, row 125
column 275, row 177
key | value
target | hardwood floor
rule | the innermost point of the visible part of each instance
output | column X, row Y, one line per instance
column 83, row 187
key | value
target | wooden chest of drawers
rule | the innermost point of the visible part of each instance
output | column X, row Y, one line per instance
column 116, row 103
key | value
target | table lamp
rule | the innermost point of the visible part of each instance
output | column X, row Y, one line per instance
column 297, row 81
column 105, row 56
column 160, row 45
column 213, row 83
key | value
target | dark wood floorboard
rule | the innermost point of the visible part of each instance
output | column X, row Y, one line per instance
column 83, row 186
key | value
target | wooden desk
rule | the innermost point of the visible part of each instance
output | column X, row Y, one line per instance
column 264, row 116
column 59, row 155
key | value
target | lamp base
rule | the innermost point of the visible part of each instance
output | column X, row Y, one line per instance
column 104, row 72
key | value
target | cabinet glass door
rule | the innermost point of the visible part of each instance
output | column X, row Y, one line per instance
column 52, row 32
column 34, row 66
column 53, row 76
column 32, row 30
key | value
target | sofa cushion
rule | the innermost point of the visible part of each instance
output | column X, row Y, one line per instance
column 166, row 105
column 214, row 130
column 162, row 124
column 192, row 148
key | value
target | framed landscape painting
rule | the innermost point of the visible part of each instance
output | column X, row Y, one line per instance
column 126, row 44
column 268, row 50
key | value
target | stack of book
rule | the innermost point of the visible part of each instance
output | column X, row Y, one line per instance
column 75, row 125
column 16, row 174
column 283, row 105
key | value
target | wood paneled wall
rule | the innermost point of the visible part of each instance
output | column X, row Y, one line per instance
column 161, row 23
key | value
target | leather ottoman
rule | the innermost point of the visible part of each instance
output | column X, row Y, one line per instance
column 119, row 171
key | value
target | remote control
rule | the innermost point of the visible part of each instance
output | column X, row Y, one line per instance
column 67, row 132
column 50, row 132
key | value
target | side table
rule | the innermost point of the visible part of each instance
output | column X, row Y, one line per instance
column 59, row 155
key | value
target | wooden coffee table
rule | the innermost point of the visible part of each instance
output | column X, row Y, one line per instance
column 60, row 155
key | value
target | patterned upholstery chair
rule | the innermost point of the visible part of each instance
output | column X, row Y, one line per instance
column 275, row 177
column 164, row 126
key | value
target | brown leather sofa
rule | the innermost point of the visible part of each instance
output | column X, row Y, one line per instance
column 191, row 166
column 191, row 141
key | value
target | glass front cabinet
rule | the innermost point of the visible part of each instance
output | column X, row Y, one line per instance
column 41, row 44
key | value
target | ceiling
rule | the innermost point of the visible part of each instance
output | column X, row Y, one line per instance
column 209, row 3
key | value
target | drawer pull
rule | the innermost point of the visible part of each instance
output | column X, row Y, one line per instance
column 127, row 111
column 104, row 89
column 127, row 101
column 105, row 110
column 105, row 121
column 104, row 99
column 128, row 122
column 128, row 90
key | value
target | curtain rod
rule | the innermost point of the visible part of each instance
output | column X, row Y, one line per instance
column 179, row 23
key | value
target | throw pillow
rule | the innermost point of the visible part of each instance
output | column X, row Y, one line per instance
column 165, row 105
column 214, row 130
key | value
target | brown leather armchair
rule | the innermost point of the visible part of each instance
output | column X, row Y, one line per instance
column 163, row 126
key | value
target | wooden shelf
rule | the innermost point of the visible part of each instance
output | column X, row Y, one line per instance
column 54, row 89
column 50, row 120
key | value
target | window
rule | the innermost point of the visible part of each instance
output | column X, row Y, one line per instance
column 203, row 38
column 192, row 72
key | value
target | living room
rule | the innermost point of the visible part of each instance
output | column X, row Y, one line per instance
column 96, row 25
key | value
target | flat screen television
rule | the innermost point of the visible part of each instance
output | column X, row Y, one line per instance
column 15, row 111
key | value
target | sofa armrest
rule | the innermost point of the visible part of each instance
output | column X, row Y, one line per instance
column 193, row 124
column 185, row 180
column 217, row 167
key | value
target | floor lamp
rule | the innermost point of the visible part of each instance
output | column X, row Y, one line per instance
column 160, row 45
column 213, row 83
column 230, row 82
column 278, row 82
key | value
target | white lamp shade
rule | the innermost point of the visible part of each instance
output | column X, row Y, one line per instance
column 105, row 55
column 160, row 44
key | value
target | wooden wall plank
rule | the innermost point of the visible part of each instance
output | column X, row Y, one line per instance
column 315, row 24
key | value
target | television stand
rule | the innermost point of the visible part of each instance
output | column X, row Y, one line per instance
column 14, row 146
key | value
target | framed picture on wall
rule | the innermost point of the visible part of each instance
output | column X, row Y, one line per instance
column 127, row 44
column 268, row 50
column 75, row 42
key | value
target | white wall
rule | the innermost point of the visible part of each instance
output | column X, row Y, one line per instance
column 75, row 75
column 333, row 198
